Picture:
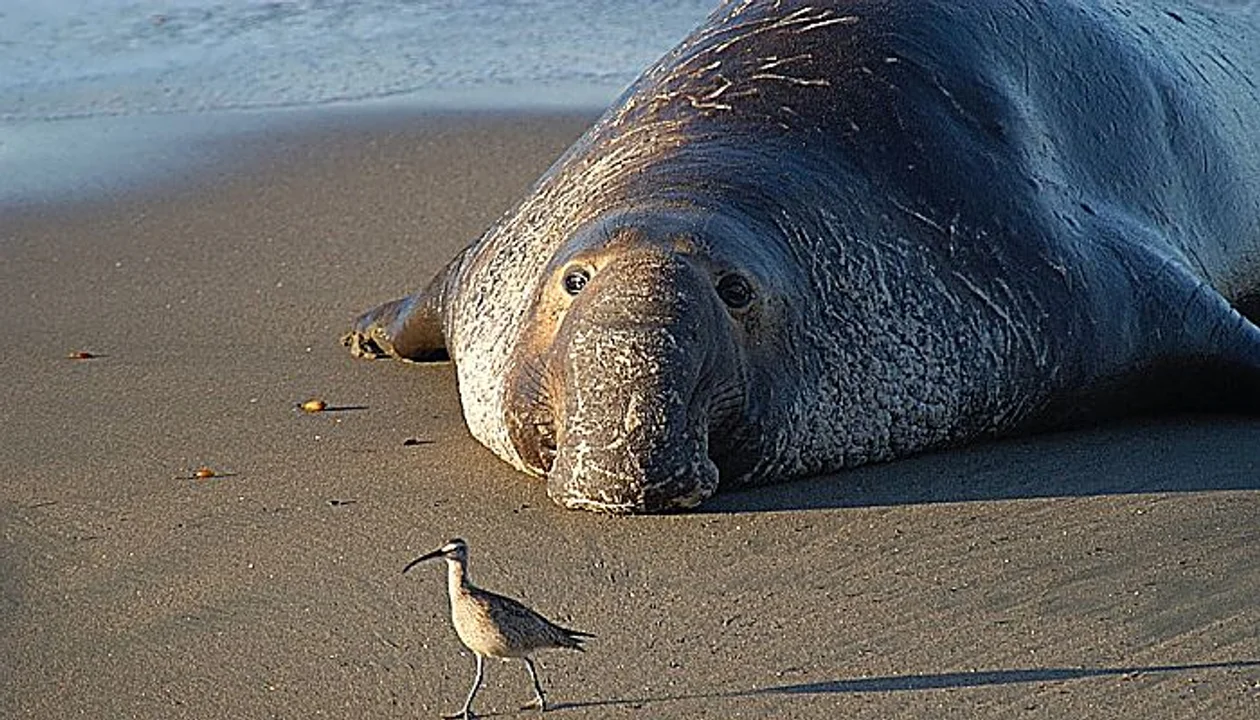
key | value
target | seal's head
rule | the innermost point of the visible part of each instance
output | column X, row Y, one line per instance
column 630, row 389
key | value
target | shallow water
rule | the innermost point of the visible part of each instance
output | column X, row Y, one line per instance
column 104, row 95
column 85, row 58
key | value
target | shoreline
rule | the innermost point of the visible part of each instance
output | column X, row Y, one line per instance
column 104, row 158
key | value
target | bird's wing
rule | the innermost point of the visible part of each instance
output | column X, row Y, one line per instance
column 530, row 627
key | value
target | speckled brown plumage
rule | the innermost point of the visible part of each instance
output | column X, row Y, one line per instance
column 492, row 625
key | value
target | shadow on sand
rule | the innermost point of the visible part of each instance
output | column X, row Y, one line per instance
column 1178, row 453
column 934, row 681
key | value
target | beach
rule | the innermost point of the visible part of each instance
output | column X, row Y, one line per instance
column 1105, row 572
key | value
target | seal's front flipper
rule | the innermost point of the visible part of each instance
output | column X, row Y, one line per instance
column 1167, row 339
column 1230, row 355
column 409, row 328
column 1207, row 353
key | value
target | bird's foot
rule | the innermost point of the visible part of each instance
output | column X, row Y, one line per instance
column 464, row 714
column 537, row 703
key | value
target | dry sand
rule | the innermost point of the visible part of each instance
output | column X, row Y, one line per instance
column 1108, row 573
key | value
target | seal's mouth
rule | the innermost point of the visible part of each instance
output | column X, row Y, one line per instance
column 534, row 389
column 628, row 461
column 588, row 486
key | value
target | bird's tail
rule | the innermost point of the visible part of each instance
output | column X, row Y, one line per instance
column 572, row 639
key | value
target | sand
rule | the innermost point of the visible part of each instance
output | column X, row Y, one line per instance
column 1109, row 572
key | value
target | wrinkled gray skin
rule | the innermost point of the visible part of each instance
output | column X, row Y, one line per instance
column 817, row 236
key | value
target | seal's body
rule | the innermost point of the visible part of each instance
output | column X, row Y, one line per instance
column 817, row 236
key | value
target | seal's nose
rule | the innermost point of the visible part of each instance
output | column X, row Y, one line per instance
column 634, row 435
column 637, row 355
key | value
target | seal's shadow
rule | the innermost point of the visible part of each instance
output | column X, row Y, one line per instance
column 1177, row 453
column 932, row 681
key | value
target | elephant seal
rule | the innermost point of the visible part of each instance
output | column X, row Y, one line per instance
column 818, row 235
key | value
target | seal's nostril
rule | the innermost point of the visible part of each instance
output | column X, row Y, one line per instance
column 547, row 446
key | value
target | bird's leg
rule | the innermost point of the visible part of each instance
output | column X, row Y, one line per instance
column 467, row 712
column 539, row 701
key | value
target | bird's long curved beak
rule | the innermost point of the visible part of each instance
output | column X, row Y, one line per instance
column 427, row 556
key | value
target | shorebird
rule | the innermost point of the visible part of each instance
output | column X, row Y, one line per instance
column 492, row 625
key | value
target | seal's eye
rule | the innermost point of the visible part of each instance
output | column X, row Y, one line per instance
column 575, row 279
column 735, row 291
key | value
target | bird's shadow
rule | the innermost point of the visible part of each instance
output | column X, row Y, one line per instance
column 1176, row 453
column 931, row 681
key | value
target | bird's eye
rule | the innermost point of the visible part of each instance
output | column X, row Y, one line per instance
column 575, row 279
column 735, row 291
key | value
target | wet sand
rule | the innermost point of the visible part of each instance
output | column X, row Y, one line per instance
column 1109, row 572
